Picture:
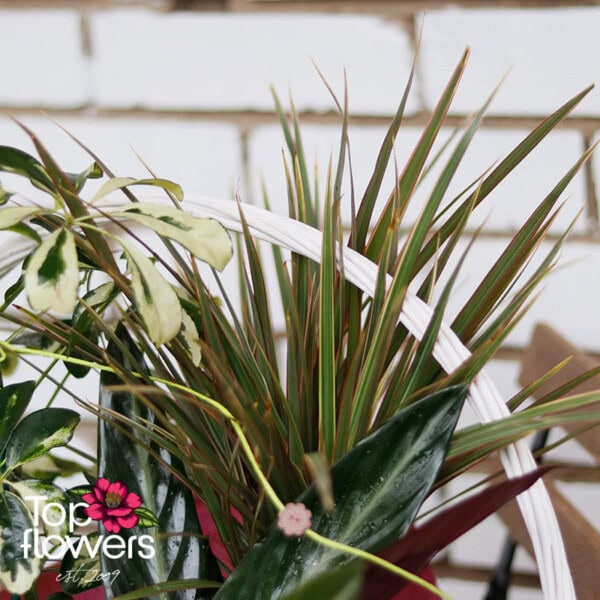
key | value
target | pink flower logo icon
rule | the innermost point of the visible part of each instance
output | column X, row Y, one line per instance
column 112, row 504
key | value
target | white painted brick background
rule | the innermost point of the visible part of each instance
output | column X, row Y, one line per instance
column 550, row 54
column 42, row 62
column 145, row 67
column 224, row 62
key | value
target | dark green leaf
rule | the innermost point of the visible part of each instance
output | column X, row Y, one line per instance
column 60, row 596
column 16, row 161
column 14, row 399
column 169, row 586
column 378, row 487
column 39, row 432
column 17, row 573
column 126, row 458
column 418, row 547
column 343, row 583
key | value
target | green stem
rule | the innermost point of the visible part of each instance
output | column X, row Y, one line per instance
column 260, row 476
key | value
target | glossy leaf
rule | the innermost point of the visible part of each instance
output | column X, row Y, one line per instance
column 47, row 467
column 343, row 583
column 14, row 399
column 17, row 572
column 206, row 239
column 155, row 298
column 52, row 274
column 378, row 487
column 118, row 183
column 419, row 546
column 16, row 161
column 81, row 573
column 183, row 553
column 39, row 432
column 37, row 494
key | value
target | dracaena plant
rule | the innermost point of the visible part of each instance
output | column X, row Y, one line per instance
column 306, row 473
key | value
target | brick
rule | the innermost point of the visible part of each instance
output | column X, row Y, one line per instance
column 43, row 64
column 567, row 298
column 549, row 54
column 227, row 62
column 202, row 156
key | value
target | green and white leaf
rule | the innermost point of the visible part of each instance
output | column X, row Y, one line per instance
column 14, row 399
column 39, row 432
column 48, row 467
column 86, row 566
column 13, row 215
column 34, row 492
column 118, row 183
column 155, row 299
column 206, row 239
column 52, row 275
column 17, row 573
column 188, row 336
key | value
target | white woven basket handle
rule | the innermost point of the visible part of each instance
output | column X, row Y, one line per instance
column 449, row 351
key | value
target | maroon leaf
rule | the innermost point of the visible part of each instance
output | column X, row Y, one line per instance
column 418, row 547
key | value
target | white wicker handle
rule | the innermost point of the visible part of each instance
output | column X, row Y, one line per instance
column 449, row 351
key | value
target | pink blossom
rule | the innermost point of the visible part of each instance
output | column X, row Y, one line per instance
column 294, row 519
column 112, row 504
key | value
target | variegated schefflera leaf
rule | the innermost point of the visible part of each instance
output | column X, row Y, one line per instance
column 206, row 239
column 52, row 274
column 18, row 572
column 23, row 440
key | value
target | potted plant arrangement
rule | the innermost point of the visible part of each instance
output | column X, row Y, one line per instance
column 228, row 468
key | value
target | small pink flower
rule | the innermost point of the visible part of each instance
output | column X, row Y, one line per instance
column 112, row 504
column 294, row 519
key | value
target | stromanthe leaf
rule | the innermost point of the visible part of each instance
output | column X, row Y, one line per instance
column 181, row 552
column 378, row 488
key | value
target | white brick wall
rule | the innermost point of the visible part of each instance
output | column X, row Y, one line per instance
column 42, row 60
column 549, row 54
column 228, row 62
column 122, row 78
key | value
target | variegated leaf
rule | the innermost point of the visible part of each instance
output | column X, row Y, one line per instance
column 13, row 215
column 37, row 493
column 154, row 297
column 118, row 183
column 17, row 572
column 52, row 275
column 39, row 432
column 206, row 239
